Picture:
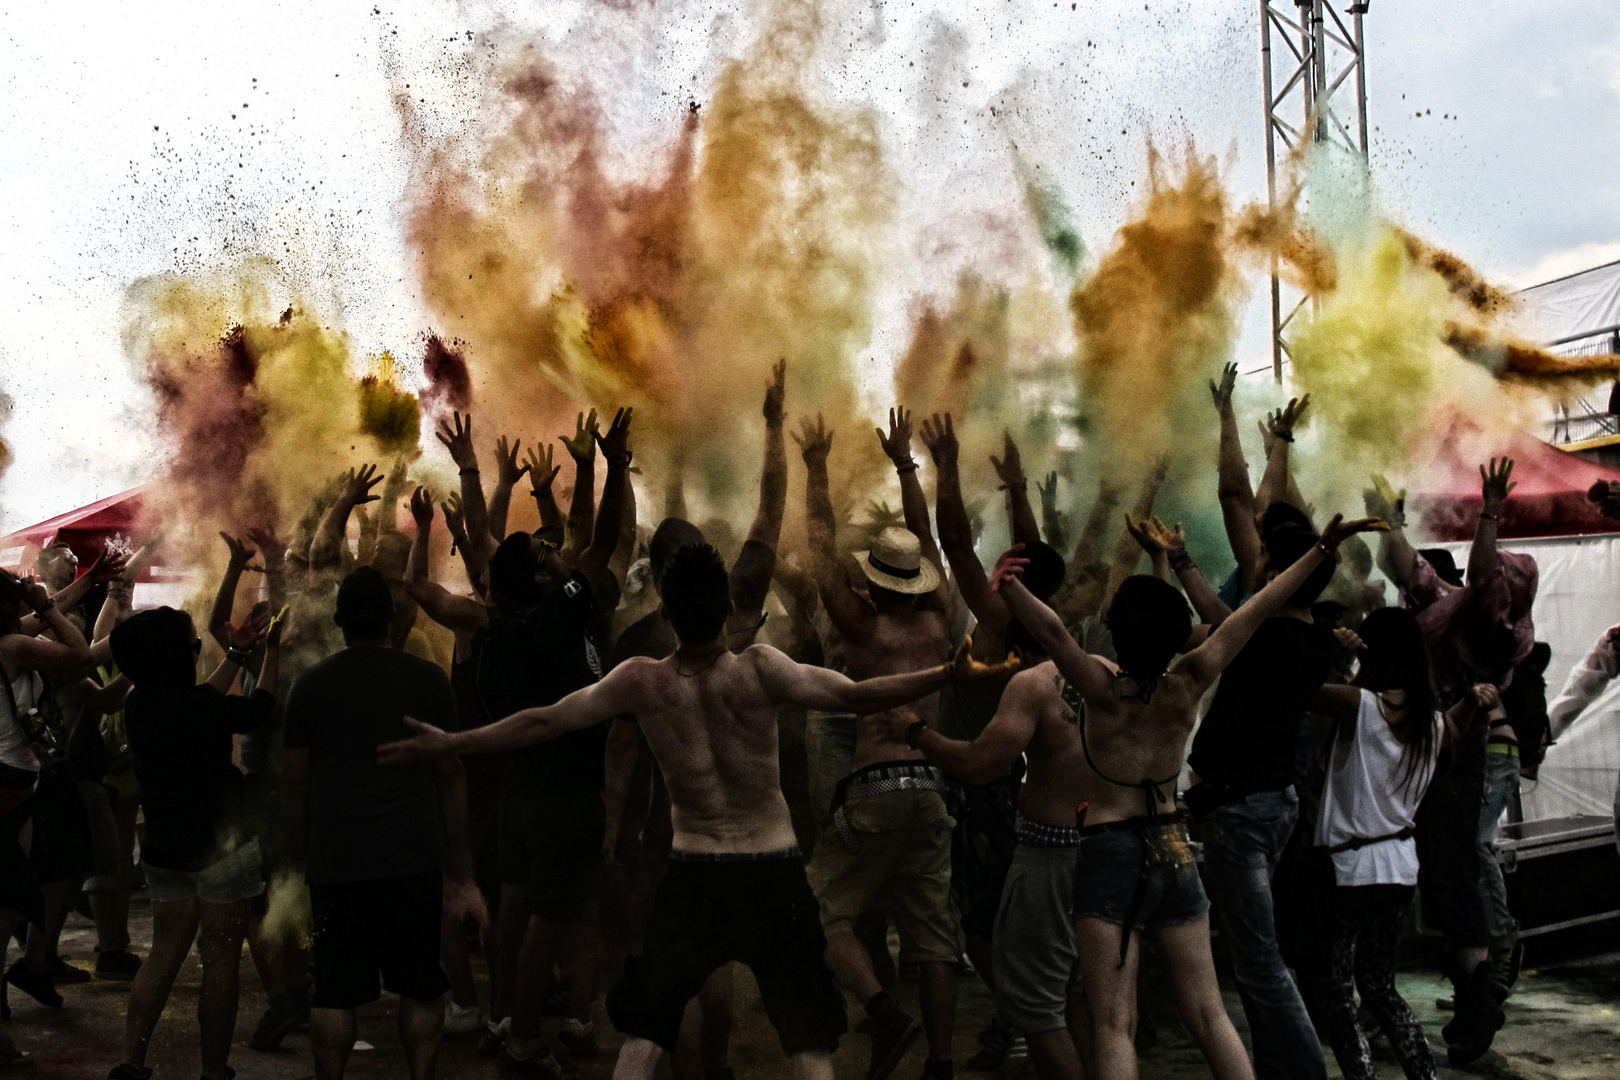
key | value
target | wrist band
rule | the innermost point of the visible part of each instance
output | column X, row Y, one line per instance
column 1490, row 517
column 1327, row 547
column 471, row 469
column 908, row 465
column 50, row 602
column 914, row 731
column 1180, row 561
column 239, row 657
column 623, row 461
column 1285, row 436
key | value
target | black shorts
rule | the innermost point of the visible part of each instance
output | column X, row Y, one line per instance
column 758, row 910
column 553, row 845
column 61, row 848
column 1448, row 862
column 387, row 927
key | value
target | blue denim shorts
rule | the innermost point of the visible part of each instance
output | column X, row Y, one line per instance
column 1106, row 876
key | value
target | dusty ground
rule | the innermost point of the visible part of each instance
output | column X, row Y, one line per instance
column 1561, row 1023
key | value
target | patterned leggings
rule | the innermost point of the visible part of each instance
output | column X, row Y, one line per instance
column 1366, row 924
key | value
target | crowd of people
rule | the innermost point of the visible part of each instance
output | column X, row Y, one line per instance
column 605, row 767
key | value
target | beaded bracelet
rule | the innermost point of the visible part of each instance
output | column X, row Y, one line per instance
column 1180, row 561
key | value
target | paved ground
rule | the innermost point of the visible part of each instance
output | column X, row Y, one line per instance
column 1562, row 1023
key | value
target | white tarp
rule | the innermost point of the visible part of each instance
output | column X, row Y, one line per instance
column 1578, row 599
column 1583, row 303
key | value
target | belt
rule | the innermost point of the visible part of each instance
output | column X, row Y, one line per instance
column 1041, row 835
column 881, row 779
column 1164, row 843
column 1511, row 749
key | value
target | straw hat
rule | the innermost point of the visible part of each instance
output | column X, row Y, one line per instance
column 896, row 563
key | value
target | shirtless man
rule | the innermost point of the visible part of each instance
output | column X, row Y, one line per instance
column 1136, row 869
column 891, row 832
column 1037, row 985
column 736, row 886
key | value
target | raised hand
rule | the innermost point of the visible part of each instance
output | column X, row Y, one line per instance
column 241, row 554
column 582, row 447
column 1349, row 640
column 940, row 438
column 616, row 443
column 880, row 515
column 506, row 459
column 897, row 444
column 1010, row 469
column 1222, row 391
column 357, row 486
column 1487, row 698
column 34, row 592
column 1010, row 565
column 1154, row 536
column 815, row 443
column 776, row 395
column 457, row 439
column 270, row 546
column 966, row 669
column 1283, row 421
column 1384, row 502
column 425, row 741
column 1338, row 530
column 540, row 469
column 454, row 521
column 1048, row 491
column 1495, row 487
column 422, row 508
column 110, row 566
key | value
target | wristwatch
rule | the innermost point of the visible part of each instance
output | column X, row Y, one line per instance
column 914, row 731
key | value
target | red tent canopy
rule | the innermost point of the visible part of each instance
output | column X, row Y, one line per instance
column 85, row 531
column 1550, row 499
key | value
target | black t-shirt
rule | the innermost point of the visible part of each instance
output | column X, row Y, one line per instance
column 538, row 659
column 367, row 822
column 190, row 790
column 1249, row 736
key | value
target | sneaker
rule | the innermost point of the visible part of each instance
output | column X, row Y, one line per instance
column 462, row 1021
column 126, row 1071
column 493, row 1039
column 64, row 973
column 543, row 1066
column 288, row 1010
column 579, row 1039
column 36, row 984
column 893, row 1032
column 1479, row 1017
column 1505, row 966
column 117, row 965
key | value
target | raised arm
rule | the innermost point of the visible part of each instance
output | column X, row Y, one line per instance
column 329, row 535
column 593, row 561
column 1010, row 471
column 767, row 527
column 442, row 606
column 1126, row 553
column 1088, row 674
column 510, row 472
column 219, row 616
column 542, row 475
column 68, row 652
column 616, row 695
column 1494, row 488
column 830, row 691
column 624, row 553
column 1208, row 660
column 1171, row 547
column 956, row 533
column 1274, row 482
column 1051, row 517
column 1396, row 556
column 582, row 509
column 848, row 611
column 1236, row 496
column 273, row 553
column 458, row 439
column 1589, row 679
column 1000, row 743
column 913, row 503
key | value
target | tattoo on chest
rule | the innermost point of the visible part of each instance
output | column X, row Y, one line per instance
column 1073, row 705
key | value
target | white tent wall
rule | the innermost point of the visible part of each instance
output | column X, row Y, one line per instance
column 1574, row 306
column 1578, row 599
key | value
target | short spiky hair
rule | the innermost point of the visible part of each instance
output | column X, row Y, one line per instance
column 696, row 592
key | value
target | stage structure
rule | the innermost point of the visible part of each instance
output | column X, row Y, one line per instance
column 1317, row 56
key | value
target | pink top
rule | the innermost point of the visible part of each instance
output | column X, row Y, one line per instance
column 1471, row 633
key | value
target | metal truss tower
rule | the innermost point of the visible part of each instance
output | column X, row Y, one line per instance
column 1319, row 54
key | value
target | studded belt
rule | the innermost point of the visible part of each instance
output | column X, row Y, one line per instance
column 883, row 778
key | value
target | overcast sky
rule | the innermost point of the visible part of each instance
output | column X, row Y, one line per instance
column 141, row 138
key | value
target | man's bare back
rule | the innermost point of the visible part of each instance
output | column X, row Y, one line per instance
column 896, row 641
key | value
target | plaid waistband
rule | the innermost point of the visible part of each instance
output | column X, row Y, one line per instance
column 1039, row 834
column 887, row 776
column 735, row 856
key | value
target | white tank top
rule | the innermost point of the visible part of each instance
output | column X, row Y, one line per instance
column 1366, row 796
column 15, row 749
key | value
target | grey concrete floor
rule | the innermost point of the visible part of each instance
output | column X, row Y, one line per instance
column 1561, row 1023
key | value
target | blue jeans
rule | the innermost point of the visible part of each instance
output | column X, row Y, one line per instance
column 1501, row 778
column 1242, row 843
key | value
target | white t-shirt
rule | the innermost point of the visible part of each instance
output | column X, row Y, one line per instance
column 15, row 749
column 1365, row 796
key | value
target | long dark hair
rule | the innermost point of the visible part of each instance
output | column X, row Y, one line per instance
column 1397, row 658
column 11, row 601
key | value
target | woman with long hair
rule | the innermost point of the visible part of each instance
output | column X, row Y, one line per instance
column 1386, row 736
column 26, row 610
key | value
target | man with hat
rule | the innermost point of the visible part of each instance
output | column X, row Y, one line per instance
column 890, row 831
